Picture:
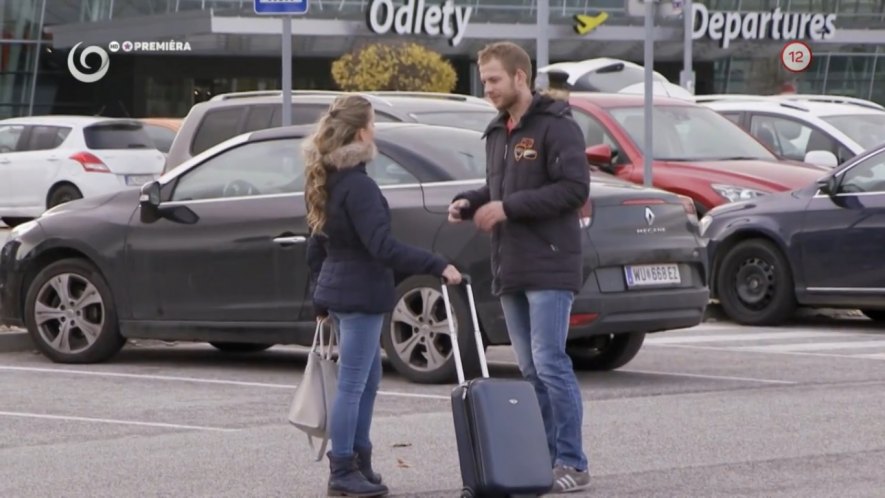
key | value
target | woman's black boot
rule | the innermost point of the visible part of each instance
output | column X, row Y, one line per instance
column 364, row 463
column 345, row 479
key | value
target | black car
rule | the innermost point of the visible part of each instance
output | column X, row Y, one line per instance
column 215, row 251
column 821, row 245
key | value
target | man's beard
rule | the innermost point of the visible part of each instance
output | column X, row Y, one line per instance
column 510, row 100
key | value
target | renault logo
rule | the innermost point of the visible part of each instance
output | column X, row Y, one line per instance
column 649, row 216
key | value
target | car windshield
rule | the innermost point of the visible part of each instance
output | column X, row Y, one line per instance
column 461, row 152
column 686, row 133
column 868, row 130
column 471, row 120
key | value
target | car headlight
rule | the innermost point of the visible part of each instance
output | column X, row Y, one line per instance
column 733, row 193
column 704, row 224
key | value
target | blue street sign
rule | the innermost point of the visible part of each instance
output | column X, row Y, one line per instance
column 276, row 7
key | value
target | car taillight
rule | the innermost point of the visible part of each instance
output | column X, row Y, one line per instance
column 90, row 162
column 587, row 214
column 579, row 319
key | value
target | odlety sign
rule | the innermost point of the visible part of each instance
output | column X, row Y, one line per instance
column 415, row 17
column 727, row 26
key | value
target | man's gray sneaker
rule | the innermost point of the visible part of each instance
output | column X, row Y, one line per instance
column 568, row 479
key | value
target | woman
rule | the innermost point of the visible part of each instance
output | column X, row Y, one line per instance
column 352, row 255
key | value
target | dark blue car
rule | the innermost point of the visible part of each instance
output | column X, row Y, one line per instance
column 822, row 245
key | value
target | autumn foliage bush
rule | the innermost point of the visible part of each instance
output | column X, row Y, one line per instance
column 398, row 67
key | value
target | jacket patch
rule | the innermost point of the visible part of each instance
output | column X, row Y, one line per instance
column 524, row 149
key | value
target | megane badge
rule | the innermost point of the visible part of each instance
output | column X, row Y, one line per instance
column 649, row 216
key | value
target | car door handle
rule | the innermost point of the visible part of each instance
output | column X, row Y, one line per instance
column 4, row 161
column 290, row 239
column 52, row 158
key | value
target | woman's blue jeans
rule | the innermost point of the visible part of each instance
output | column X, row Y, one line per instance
column 359, row 374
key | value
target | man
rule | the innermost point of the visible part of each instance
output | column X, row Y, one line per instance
column 537, row 179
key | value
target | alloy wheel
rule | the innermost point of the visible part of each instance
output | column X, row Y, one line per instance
column 420, row 330
column 69, row 313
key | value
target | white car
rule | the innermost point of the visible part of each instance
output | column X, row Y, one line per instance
column 818, row 129
column 49, row 160
column 604, row 74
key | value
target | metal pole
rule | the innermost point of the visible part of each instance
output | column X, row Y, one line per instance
column 542, row 53
column 648, row 153
column 39, row 48
column 686, row 78
column 287, row 71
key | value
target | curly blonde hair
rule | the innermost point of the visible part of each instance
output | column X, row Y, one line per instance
column 337, row 128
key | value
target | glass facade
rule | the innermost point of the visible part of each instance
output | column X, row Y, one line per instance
column 20, row 48
column 846, row 74
column 34, row 79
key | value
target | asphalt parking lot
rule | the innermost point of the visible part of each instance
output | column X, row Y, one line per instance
column 792, row 411
column 714, row 410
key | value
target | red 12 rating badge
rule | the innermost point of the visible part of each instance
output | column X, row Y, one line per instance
column 796, row 56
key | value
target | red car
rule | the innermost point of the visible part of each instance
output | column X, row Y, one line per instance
column 698, row 152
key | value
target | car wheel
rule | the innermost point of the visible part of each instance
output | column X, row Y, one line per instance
column 70, row 314
column 240, row 347
column 63, row 194
column 874, row 315
column 416, row 334
column 13, row 222
column 755, row 285
column 605, row 352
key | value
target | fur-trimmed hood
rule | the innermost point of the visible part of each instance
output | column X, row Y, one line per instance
column 350, row 155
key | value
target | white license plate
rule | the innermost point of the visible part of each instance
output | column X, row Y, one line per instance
column 138, row 180
column 642, row 275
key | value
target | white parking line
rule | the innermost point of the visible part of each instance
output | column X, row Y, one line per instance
column 711, row 377
column 814, row 346
column 114, row 421
column 198, row 380
column 691, row 339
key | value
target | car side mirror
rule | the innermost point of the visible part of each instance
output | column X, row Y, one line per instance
column 822, row 158
column 600, row 155
column 150, row 195
column 828, row 185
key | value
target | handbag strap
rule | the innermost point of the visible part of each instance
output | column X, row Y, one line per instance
column 322, row 451
column 318, row 336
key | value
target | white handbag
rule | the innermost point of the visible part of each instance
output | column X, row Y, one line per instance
column 311, row 409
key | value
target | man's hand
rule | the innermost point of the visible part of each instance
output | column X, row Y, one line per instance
column 455, row 210
column 489, row 215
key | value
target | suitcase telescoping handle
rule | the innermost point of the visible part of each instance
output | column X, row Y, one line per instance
column 477, row 336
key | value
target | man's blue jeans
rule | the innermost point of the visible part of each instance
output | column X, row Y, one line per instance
column 359, row 374
column 537, row 322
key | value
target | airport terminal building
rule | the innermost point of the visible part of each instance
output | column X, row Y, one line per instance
column 184, row 51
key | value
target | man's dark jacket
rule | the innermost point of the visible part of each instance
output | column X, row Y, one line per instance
column 540, row 172
column 352, row 263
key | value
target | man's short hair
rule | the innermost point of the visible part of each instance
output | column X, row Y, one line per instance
column 511, row 56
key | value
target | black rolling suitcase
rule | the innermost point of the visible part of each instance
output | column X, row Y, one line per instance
column 502, row 444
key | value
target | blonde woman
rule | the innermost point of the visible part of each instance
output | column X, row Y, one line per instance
column 352, row 255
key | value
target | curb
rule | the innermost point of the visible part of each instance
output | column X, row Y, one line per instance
column 15, row 341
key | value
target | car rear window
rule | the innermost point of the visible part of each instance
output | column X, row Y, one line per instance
column 117, row 136
column 216, row 127
column 461, row 152
column 471, row 120
column 161, row 136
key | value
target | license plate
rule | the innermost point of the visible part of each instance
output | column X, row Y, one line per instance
column 647, row 275
column 138, row 180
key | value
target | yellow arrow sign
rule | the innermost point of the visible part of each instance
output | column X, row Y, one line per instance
column 585, row 24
